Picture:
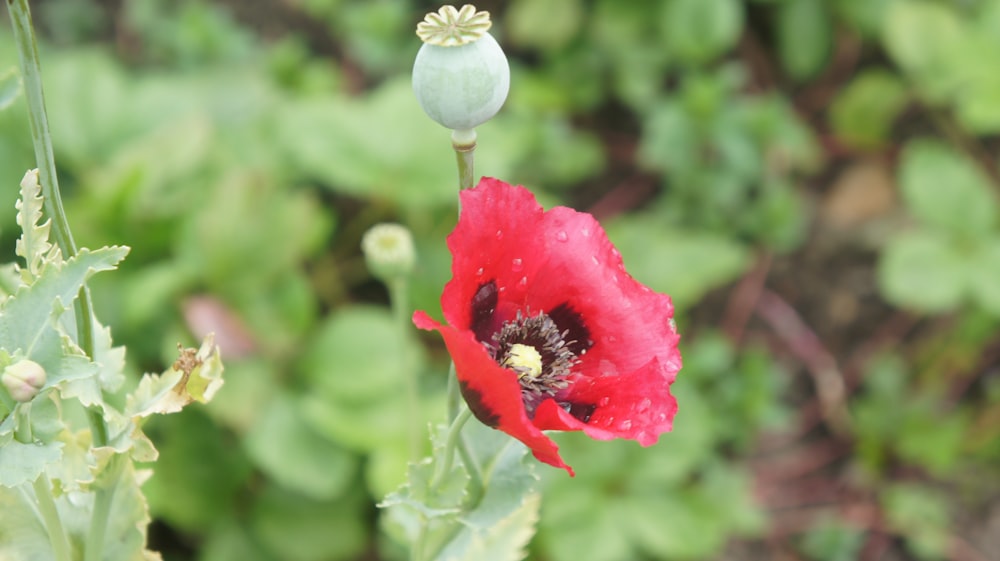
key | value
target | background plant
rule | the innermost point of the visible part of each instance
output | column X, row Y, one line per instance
column 814, row 182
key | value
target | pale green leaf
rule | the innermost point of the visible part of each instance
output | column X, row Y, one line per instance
column 23, row 463
column 22, row 535
column 699, row 30
column 945, row 189
column 27, row 314
column 922, row 37
column 33, row 245
column 921, row 271
column 505, row 540
column 288, row 450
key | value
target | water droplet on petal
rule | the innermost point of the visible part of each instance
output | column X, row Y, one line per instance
column 672, row 324
column 661, row 417
column 585, row 232
column 644, row 405
column 523, row 282
column 499, row 235
column 562, row 236
column 595, row 260
column 625, row 425
column 604, row 401
column 479, row 272
column 614, row 278
column 517, row 265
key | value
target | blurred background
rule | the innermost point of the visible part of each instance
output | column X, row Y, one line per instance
column 814, row 181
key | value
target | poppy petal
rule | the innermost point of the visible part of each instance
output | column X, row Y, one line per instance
column 491, row 391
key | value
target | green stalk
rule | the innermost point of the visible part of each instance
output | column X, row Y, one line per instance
column 105, row 495
column 27, row 50
column 454, row 436
column 50, row 517
column 464, row 143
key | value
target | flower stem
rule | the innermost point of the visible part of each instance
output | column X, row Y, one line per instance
column 400, row 307
column 27, row 50
column 464, row 143
column 105, row 495
column 454, row 436
column 50, row 517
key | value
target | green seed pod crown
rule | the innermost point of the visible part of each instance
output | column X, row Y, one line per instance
column 460, row 76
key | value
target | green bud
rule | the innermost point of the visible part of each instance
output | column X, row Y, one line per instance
column 23, row 379
column 460, row 76
column 389, row 251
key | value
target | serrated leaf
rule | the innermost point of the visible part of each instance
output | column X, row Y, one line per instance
column 195, row 376
column 23, row 463
column 33, row 245
column 22, row 535
column 26, row 314
column 505, row 540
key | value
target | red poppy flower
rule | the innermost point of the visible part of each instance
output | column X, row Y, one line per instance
column 547, row 330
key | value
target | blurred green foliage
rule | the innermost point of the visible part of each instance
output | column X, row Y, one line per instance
column 242, row 149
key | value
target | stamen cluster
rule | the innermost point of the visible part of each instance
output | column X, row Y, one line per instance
column 541, row 333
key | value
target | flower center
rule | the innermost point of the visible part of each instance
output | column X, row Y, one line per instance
column 535, row 349
column 524, row 360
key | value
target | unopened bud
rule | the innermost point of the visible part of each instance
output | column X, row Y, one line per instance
column 389, row 251
column 460, row 76
column 23, row 379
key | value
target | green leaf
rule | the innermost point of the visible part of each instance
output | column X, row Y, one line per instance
column 10, row 87
column 685, row 265
column 543, row 24
column 199, row 473
column 921, row 515
column 700, row 30
column 832, row 541
column 33, row 245
column 296, row 528
column 381, row 147
column 944, row 189
column 863, row 112
column 361, row 354
column 288, row 450
column 22, row 535
column 23, row 463
column 922, row 37
column 505, row 540
column 921, row 271
column 985, row 275
column 26, row 314
column 805, row 37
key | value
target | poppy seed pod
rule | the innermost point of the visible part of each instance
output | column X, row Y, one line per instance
column 460, row 76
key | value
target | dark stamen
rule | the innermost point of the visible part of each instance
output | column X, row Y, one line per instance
column 558, row 358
